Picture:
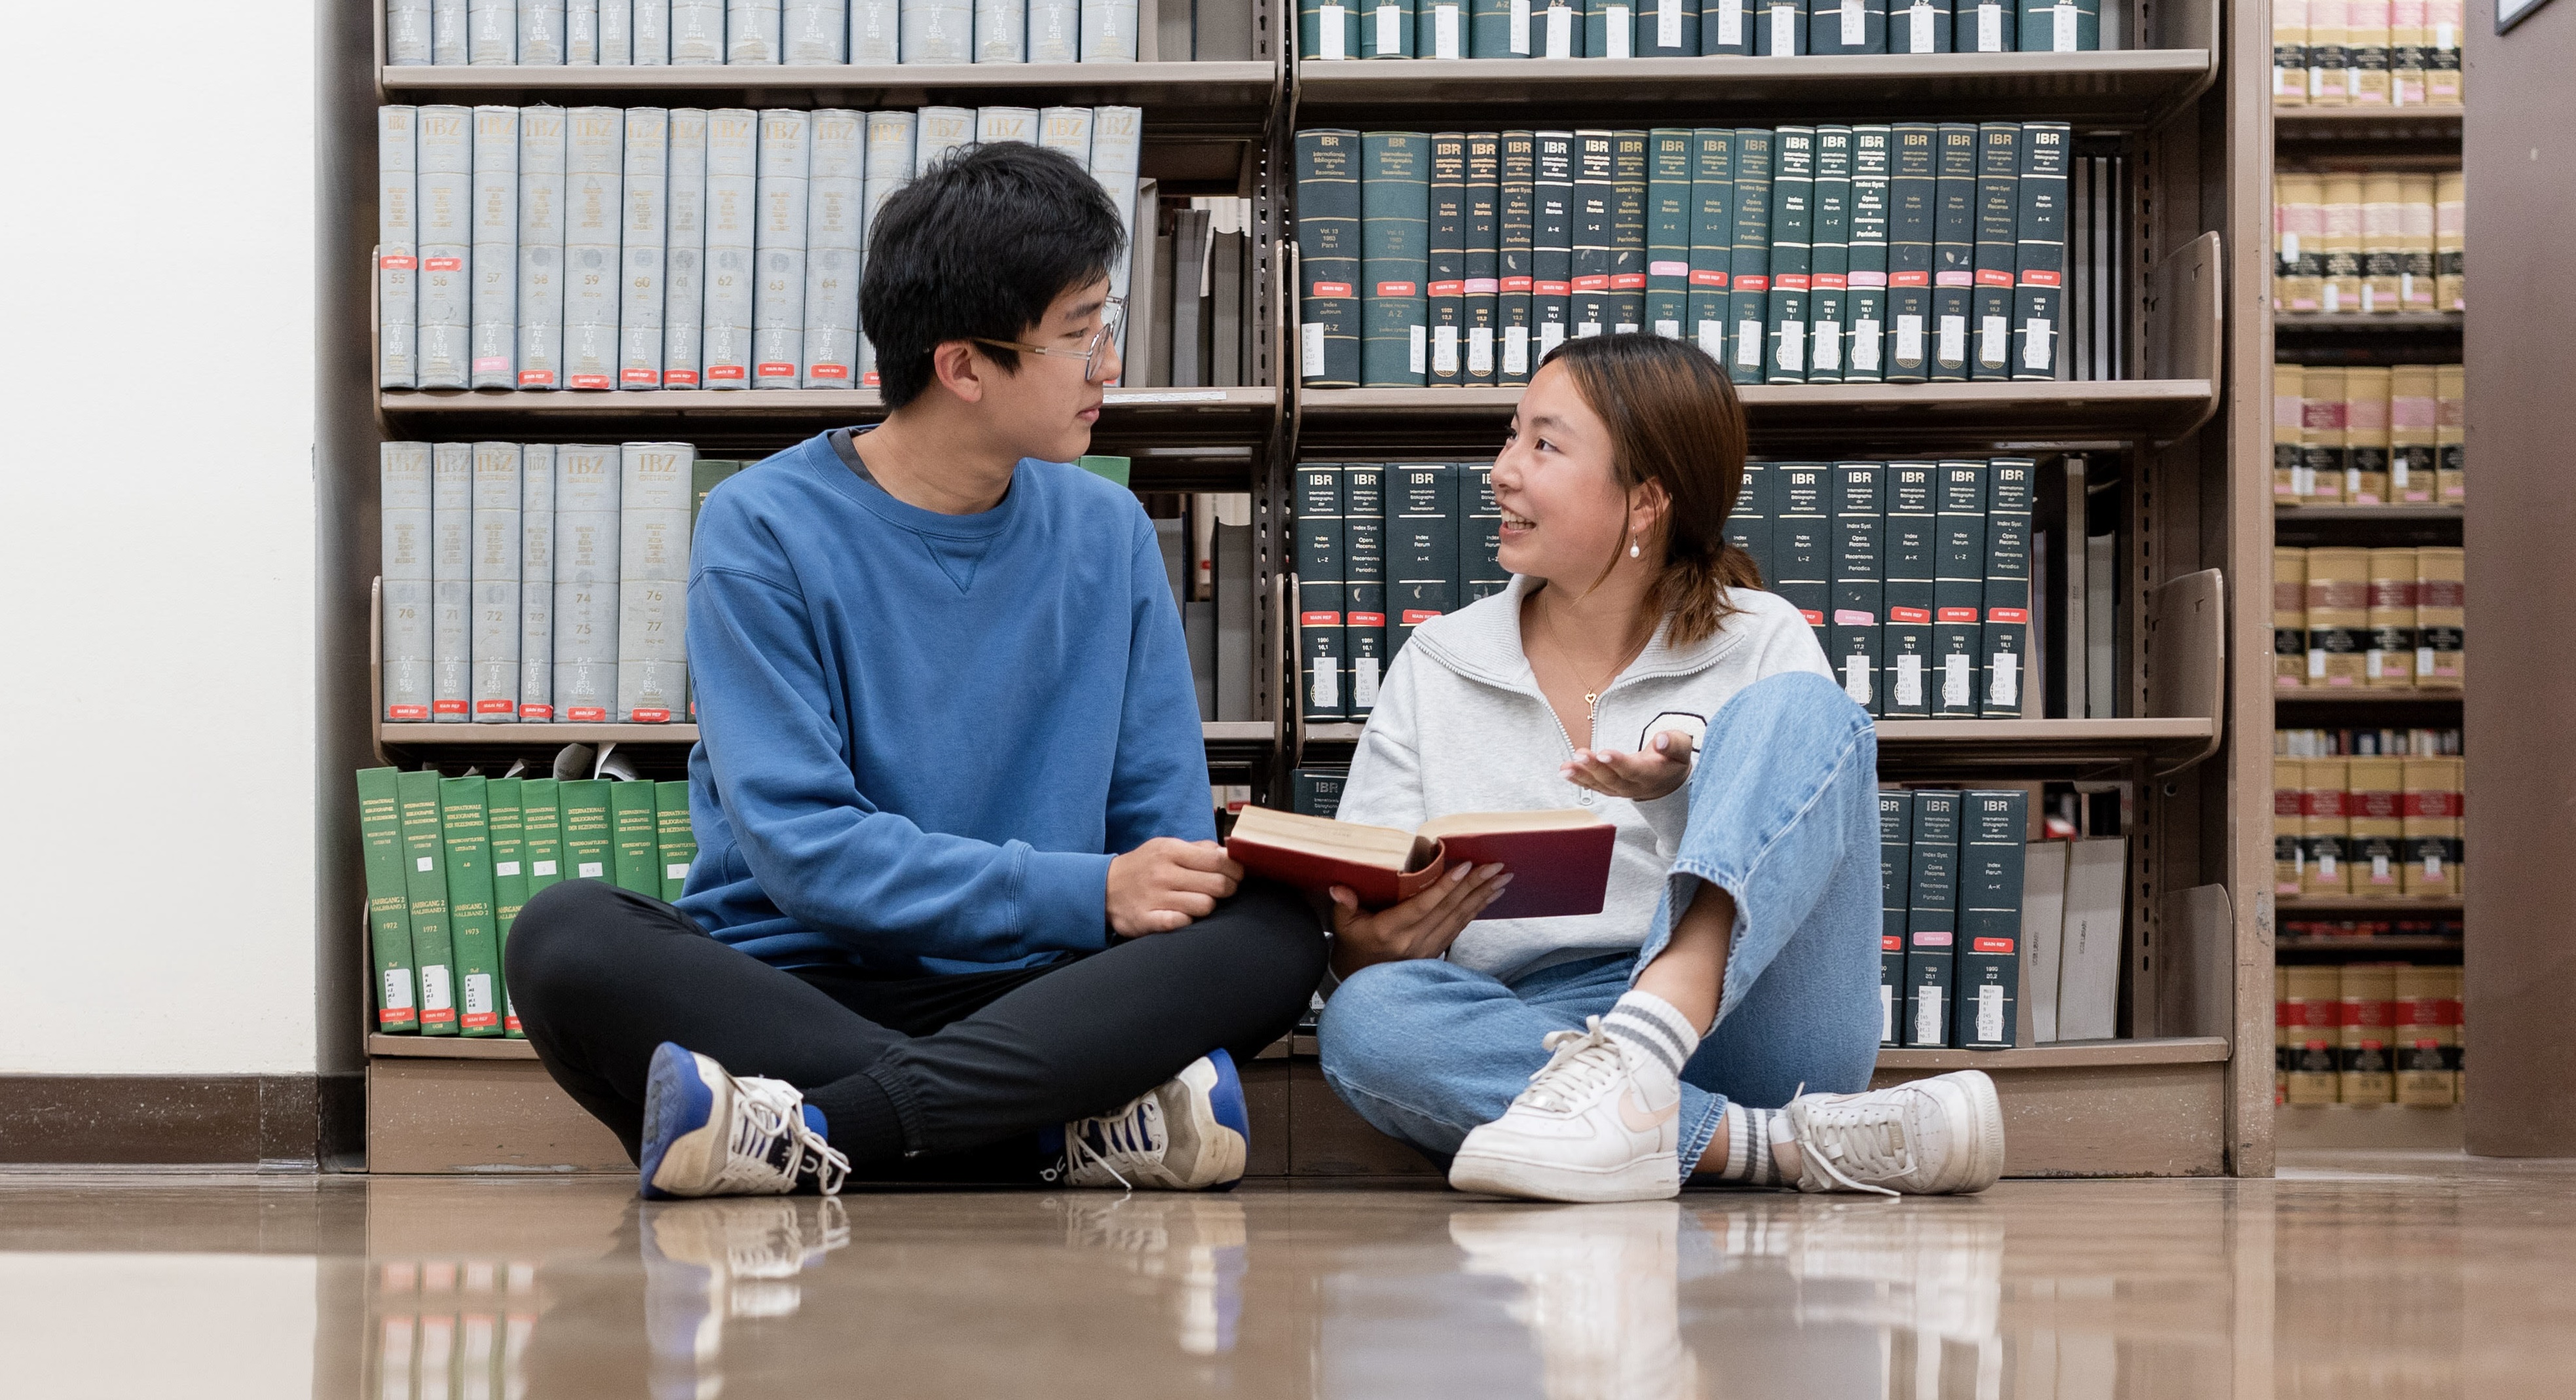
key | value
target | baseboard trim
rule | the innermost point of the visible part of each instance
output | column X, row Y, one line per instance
column 293, row 1121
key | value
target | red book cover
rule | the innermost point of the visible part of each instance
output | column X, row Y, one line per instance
column 1560, row 861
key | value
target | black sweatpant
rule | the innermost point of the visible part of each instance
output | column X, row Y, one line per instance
column 918, row 1078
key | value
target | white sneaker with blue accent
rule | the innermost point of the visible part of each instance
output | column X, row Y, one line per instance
column 1190, row 1133
column 709, row 1133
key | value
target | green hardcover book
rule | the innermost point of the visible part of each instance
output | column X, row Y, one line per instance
column 1328, row 259
column 1829, row 256
column 1628, row 173
column 1516, row 237
column 676, row 839
column 1491, row 31
column 1793, row 213
column 635, row 848
column 1954, row 249
column 505, row 813
column 1998, row 249
column 1913, row 217
column 1596, row 190
column 1446, row 277
column 541, row 832
column 388, row 899
column 1867, row 304
column 1327, row 31
column 705, row 475
column 584, row 803
column 1484, row 252
column 1552, row 220
column 1749, row 284
column 1668, row 230
column 1395, row 228
column 1386, row 30
column 424, row 856
column 2066, row 26
column 1712, row 236
column 465, row 825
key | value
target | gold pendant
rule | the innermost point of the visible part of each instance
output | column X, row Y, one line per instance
column 1591, row 704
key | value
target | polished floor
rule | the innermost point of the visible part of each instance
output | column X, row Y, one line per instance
column 2347, row 1276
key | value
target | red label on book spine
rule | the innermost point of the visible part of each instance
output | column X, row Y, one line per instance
column 443, row 1016
column 1890, row 943
column 1330, row 289
column 406, row 712
column 1988, row 277
column 1517, row 284
column 638, row 376
column 1814, row 617
column 1361, row 619
column 869, row 379
column 1552, row 289
column 1990, row 945
column 476, row 1020
column 536, row 379
column 1790, row 281
column 725, row 372
column 1628, row 282
column 1708, row 279
column 777, row 369
column 1753, row 282
column 536, row 712
column 1909, row 614
column 827, row 371
column 398, row 262
column 648, row 716
column 1448, row 289
column 493, row 707
column 2040, row 277
column 1319, row 619
column 1909, row 279
column 1483, row 286
column 1415, row 617
column 1958, row 615
column 447, row 707
column 1395, row 289
column 443, row 264
column 1830, row 282
column 510, row 1024
column 590, row 381
column 2007, row 614
column 394, row 1016
column 586, row 715
column 679, row 379
column 1594, row 283
column 2434, row 804
column 1932, row 938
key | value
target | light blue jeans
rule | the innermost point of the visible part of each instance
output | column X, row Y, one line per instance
column 1784, row 817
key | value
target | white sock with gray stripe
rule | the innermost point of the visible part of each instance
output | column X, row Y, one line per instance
column 1649, row 1025
column 1750, row 1135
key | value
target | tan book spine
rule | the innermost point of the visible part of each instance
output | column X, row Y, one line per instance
column 2427, row 1043
column 2450, row 434
column 2301, row 219
column 2323, row 827
column 2321, row 435
column 2287, row 861
column 2288, row 479
column 2411, row 412
column 2374, row 812
column 2290, row 53
column 2338, row 616
column 2342, row 290
column 2289, row 618
column 2433, row 813
column 2389, row 662
column 2329, row 72
column 2408, row 44
column 2366, row 25
column 2442, row 81
column 2383, row 241
column 2365, row 435
column 2450, row 248
column 2440, row 618
column 2310, row 1003
column 2368, row 996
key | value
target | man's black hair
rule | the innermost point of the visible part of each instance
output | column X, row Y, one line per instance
column 978, row 245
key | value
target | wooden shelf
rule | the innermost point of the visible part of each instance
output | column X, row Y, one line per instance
column 556, row 735
column 1198, row 95
column 2374, row 126
column 780, row 416
column 1852, row 416
column 2118, row 89
column 1919, row 745
column 2284, row 515
column 2366, row 697
column 2287, row 905
column 449, row 1047
column 2416, row 322
column 2388, row 946
column 2072, row 1054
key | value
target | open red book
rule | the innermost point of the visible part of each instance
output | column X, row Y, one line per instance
column 1559, row 861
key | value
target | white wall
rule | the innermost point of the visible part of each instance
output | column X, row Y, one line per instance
column 156, row 538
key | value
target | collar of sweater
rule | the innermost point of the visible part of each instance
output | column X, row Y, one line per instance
column 1482, row 642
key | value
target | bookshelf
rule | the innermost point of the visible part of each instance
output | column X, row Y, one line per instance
column 2186, row 105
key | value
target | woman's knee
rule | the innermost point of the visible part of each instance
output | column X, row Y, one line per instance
column 557, row 929
column 1370, row 1022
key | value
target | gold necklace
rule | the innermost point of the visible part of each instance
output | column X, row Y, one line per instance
column 1592, row 697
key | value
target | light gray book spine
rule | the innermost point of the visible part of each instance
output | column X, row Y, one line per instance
column 1001, row 31
column 1067, row 129
column 616, row 33
column 497, row 542
column 876, row 27
column 685, row 250
column 406, row 532
column 1055, row 31
column 733, row 205
column 585, row 611
column 496, row 247
column 397, row 247
column 1172, row 39
column 778, row 295
column 814, row 31
column 751, row 31
column 1108, row 31
column 835, row 198
column 451, row 582
column 406, row 32
column 492, row 31
column 541, row 32
column 541, row 247
column 594, row 208
column 941, row 130
column 697, row 32
column 581, row 32
column 996, row 124
column 652, row 572
column 891, row 136
column 536, row 581
column 1234, row 622
column 938, row 31
column 641, row 234
column 446, row 242
column 447, row 31
column 652, row 24
column 1117, row 144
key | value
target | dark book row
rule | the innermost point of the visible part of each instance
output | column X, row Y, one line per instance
column 1452, row 29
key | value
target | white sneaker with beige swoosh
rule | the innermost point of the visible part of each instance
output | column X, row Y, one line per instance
column 1601, row 1122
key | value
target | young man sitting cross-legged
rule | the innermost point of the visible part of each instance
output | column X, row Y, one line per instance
column 955, row 848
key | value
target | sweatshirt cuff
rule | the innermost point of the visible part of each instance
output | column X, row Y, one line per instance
column 1668, row 816
column 1066, row 897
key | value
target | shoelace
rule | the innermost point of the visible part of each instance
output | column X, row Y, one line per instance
column 767, row 1115
column 1845, row 1141
column 1133, row 1136
column 1585, row 1061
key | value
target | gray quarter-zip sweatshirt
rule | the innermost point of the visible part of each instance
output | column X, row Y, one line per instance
column 1461, row 726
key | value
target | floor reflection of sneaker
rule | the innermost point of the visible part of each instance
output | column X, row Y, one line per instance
column 1600, row 1122
column 709, row 1261
column 709, row 1133
column 1600, row 1294
column 1190, row 1133
column 1196, row 1242
column 1933, row 1136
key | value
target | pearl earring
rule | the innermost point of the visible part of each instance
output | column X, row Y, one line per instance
column 1633, row 551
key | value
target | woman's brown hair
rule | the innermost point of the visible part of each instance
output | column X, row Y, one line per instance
column 1674, row 419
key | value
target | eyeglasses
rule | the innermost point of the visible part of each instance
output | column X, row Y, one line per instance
column 1113, row 314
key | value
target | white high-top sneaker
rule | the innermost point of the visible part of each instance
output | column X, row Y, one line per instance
column 1600, row 1122
column 1930, row 1137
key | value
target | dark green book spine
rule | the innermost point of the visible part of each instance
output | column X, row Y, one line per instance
column 1395, row 222
column 1445, row 280
column 1829, row 256
column 1932, row 918
column 1364, row 574
column 1749, row 279
column 424, row 850
column 1596, row 190
column 1317, row 792
column 1866, row 306
column 633, row 846
column 1802, row 539
column 1913, row 552
column 1998, row 248
column 1480, row 535
column 2039, row 269
column 1629, row 163
column 1386, row 30
column 672, row 833
column 1913, row 218
column 2011, row 485
column 1484, row 287
column 388, row 900
column 541, row 829
column 1992, row 851
column 1440, row 29
column 1859, row 597
column 1895, row 883
column 1954, row 249
column 1918, row 26
column 1318, row 39
column 2075, row 26
column 1712, row 237
column 1322, row 594
column 465, row 827
column 586, row 844
column 505, row 812
column 1609, row 29
column 1847, row 26
column 1748, row 525
column 1959, row 588
column 1422, row 546
column 1552, row 243
column 1781, row 29
column 1985, row 26
column 1669, row 219
column 1328, row 258
column 1516, row 227
column 1491, row 32
column 1556, row 28
column 1668, row 29
column 1793, row 193
column 1726, row 26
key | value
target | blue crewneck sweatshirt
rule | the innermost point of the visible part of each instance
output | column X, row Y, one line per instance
column 921, row 737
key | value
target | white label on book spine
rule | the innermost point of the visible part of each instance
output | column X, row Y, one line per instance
column 2379, row 872
column 1310, row 349
column 1420, row 346
column 435, row 994
column 1855, row 22
column 1560, row 32
column 1668, row 24
column 1669, row 330
column 478, row 994
column 1990, row 1013
column 2432, row 865
column 1585, row 330
column 1364, row 681
column 1856, row 678
column 1954, row 682
column 1520, row 27
column 1390, row 29
column 1829, row 344
column 1909, row 680
column 2064, row 35
column 676, row 870
column 1748, row 344
column 1730, row 22
column 1954, row 339
column 1919, row 39
column 397, row 989
column 1444, row 31
column 2327, row 865
column 1793, row 345
column 1864, row 339
column 1990, row 340
column 2007, row 686
column 1784, row 30
column 543, row 867
column 1909, row 338
column 505, row 868
column 1480, row 350
column 1712, row 340
column 1329, row 32
column 1621, row 29
column 1990, row 29
column 1927, row 1016
column 1328, row 683
column 1551, row 334
column 2034, row 342
column 1886, row 1012
column 2316, row 664
column 2423, row 661
column 1515, row 349
column 590, row 870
